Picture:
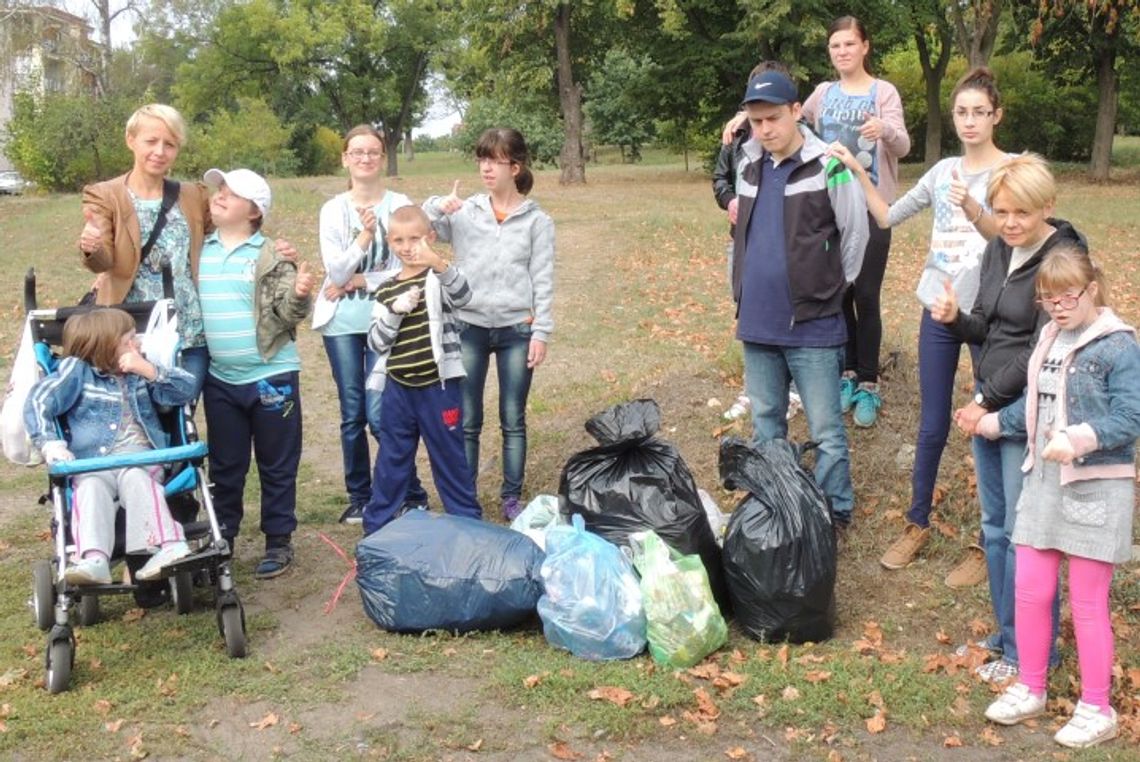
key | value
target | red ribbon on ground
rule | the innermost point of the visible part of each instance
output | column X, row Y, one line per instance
column 347, row 577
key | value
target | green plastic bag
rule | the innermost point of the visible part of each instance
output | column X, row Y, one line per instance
column 685, row 624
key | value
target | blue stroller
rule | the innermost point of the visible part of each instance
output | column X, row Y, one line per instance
column 54, row 599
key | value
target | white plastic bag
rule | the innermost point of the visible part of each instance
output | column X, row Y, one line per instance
column 540, row 515
column 717, row 521
column 18, row 446
column 159, row 344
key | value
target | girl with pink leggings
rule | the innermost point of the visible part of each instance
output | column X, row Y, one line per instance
column 1080, row 416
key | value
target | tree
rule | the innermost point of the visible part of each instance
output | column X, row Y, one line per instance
column 1094, row 33
column 932, row 30
column 619, row 102
column 976, row 28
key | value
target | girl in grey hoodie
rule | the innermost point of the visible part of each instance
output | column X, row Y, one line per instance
column 504, row 243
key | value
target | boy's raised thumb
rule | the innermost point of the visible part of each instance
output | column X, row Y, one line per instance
column 455, row 188
column 954, row 174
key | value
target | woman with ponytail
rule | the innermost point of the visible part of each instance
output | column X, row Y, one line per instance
column 504, row 244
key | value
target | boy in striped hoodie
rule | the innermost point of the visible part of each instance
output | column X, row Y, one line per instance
column 420, row 371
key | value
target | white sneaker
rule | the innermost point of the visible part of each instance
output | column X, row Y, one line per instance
column 93, row 570
column 1017, row 703
column 1088, row 727
column 169, row 553
column 739, row 408
column 997, row 671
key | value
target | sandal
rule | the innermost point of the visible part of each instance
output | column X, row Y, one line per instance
column 276, row 562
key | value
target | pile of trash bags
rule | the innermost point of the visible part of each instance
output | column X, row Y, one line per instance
column 625, row 556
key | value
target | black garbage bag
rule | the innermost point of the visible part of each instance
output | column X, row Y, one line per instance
column 428, row 571
column 636, row 481
column 779, row 549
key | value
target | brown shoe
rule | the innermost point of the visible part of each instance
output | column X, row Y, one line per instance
column 906, row 547
column 972, row 570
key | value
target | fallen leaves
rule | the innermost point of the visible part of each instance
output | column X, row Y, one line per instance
column 791, row 693
column 531, row 681
column 737, row 752
column 379, row 654
column 816, row 676
column 267, row 721
column 952, row 742
column 562, row 750
column 877, row 723
column 706, row 714
column 612, row 694
column 12, row 676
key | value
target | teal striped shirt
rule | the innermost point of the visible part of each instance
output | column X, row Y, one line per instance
column 226, row 289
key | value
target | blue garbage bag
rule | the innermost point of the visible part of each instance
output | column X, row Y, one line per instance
column 592, row 602
column 428, row 571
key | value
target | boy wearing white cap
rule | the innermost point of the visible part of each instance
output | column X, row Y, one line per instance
column 252, row 301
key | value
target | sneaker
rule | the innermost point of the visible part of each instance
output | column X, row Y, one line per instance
column 353, row 514
column 168, row 554
column 795, row 405
column 997, row 671
column 511, row 508
column 906, row 547
column 971, row 571
column 991, row 643
column 1088, row 727
column 739, row 408
column 847, row 387
column 866, row 403
column 92, row 570
column 277, row 560
column 1016, row 704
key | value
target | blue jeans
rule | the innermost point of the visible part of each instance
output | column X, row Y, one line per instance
column 938, row 351
column 196, row 362
column 351, row 360
column 767, row 372
column 998, row 467
column 510, row 345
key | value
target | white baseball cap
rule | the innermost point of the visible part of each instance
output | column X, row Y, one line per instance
column 245, row 183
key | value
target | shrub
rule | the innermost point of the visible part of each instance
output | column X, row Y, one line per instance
column 325, row 149
column 250, row 136
column 534, row 118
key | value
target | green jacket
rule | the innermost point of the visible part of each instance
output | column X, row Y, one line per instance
column 276, row 305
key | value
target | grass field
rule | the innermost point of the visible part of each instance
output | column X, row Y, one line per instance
column 642, row 311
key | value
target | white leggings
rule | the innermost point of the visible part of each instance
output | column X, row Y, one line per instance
column 149, row 523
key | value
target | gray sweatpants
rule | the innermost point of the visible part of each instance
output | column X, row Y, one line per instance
column 149, row 523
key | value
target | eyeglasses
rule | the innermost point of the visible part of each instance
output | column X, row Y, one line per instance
column 357, row 155
column 496, row 162
column 977, row 114
column 1065, row 301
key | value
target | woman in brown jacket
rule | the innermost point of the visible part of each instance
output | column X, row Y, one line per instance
column 120, row 214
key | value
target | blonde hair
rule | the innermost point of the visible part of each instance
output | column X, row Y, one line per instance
column 168, row 115
column 1027, row 178
column 1069, row 266
column 410, row 215
column 93, row 337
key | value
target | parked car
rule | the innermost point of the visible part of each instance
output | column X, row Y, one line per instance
column 12, row 183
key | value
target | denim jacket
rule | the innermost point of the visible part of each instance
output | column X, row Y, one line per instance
column 1099, row 403
column 92, row 402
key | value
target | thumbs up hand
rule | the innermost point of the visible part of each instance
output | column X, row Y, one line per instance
column 407, row 301
column 91, row 238
column 306, row 280
column 451, row 203
column 958, row 191
column 872, row 127
column 945, row 307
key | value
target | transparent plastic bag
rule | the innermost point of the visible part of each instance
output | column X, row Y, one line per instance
column 537, row 518
column 592, row 602
column 684, row 623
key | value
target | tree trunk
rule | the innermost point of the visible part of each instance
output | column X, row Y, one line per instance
column 1104, row 58
column 573, row 158
column 409, row 148
column 976, row 37
column 932, row 74
column 392, row 143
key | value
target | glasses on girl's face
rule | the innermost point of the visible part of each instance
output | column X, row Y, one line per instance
column 977, row 114
column 493, row 162
column 358, row 155
column 1064, row 301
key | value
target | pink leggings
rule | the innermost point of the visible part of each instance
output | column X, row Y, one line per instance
column 1035, row 589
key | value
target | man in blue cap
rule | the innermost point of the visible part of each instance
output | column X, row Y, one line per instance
column 800, row 234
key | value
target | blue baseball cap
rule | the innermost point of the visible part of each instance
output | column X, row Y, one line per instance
column 770, row 87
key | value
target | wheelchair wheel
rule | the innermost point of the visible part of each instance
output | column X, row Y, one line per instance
column 182, row 592
column 43, row 594
column 88, row 610
column 60, row 656
column 231, row 621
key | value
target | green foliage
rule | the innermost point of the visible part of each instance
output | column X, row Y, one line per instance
column 620, row 101
column 326, row 148
column 63, row 142
column 1055, row 120
column 535, row 118
column 249, row 136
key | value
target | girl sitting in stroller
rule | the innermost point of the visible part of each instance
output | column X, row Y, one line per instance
column 107, row 393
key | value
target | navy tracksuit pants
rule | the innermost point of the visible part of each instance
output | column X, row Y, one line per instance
column 268, row 414
column 406, row 414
